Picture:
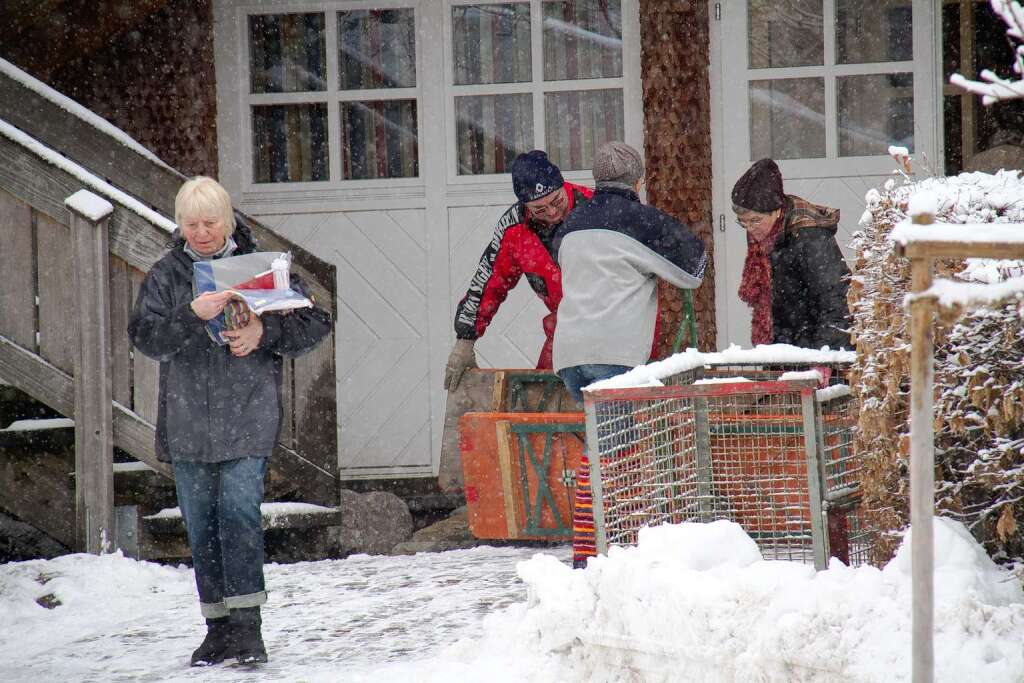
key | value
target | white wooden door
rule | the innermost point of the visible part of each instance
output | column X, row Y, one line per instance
column 406, row 241
column 824, row 87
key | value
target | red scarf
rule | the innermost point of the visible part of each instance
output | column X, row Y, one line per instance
column 756, row 283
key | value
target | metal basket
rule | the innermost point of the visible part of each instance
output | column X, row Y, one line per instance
column 732, row 443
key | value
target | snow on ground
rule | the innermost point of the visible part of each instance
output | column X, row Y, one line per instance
column 693, row 602
column 122, row 620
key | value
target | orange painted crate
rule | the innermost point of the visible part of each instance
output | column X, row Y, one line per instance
column 505, row 497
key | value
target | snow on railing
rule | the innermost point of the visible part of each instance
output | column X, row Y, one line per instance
column 77, row 110
column 87, row 178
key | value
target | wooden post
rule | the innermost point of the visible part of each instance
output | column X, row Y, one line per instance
column 922, row 247
column 922, row 468
column 94, row 438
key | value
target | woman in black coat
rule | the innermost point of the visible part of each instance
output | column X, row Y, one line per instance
column 219, row 413
column 794, row 277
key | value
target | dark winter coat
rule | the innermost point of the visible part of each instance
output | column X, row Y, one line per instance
column 517, row 248
column 612, row 250
column 809, row 279
column 214, row 406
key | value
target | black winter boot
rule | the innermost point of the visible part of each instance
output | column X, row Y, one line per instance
column 217, row 644
column 248, row 640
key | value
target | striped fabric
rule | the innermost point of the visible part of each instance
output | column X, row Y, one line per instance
column 584, row 540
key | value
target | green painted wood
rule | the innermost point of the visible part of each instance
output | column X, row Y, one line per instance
column 528, row 460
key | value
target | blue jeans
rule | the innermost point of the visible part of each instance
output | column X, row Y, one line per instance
column 578, row 376
column 220, row 503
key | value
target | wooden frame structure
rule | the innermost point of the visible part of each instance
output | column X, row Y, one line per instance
column 71, row 281
column 923, row 246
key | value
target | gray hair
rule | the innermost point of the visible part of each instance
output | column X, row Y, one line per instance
column 617, row 162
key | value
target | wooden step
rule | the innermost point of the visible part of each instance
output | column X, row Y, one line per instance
column 37, row 465
column 162, row 535
column 275, row 516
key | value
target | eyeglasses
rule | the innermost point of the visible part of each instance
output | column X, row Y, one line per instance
column 554, row 205
column 753, row 219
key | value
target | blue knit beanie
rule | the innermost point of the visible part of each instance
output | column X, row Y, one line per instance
column 534, row 176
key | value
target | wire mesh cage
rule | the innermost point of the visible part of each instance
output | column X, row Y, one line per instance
column 739, row 443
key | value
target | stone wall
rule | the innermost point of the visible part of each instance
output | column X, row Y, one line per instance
column 151, row 75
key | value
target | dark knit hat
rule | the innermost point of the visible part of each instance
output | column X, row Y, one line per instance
column 534, row 176
column 760, row 188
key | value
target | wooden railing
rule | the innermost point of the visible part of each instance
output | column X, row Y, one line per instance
column 41, row 320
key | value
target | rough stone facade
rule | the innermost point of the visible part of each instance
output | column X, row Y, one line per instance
column 675, row 53
column 152, row 78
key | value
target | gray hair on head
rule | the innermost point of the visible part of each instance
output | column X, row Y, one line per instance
column 617, row 162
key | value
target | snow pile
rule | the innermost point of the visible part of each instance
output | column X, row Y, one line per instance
column 88, row 594
column 696, row 602
column 692, row 602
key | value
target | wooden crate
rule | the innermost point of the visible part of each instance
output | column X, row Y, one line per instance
column 497, row 391
column 503, row 458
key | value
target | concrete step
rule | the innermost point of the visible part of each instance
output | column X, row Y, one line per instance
column 162, row 535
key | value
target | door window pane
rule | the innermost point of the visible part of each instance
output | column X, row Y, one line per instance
column 785, row 33
column 875, row 111
column 491, row 44
column 874, row 31
column 377, row 49
column 577, row 123
column 289, row 143
column 491, row 130
column 287, row 53
column 787, row 118
column 379, row 140
column 582, row 39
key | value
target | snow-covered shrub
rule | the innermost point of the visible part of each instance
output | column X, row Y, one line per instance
column 979, row 372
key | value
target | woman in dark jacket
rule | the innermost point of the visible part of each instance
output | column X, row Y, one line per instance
column 219, row 414
column 794, row 278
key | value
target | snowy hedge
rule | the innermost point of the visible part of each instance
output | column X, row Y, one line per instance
column 979, row 371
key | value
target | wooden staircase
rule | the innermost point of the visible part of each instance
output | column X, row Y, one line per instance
column 51, row 150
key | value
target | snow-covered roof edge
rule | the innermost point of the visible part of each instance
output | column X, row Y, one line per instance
column 764, row 354
column 77, row 110
column 92, row 181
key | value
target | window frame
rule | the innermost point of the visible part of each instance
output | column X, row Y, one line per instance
column 537, row 87
column 831, row 71
column 332, row 96
column 435, row 112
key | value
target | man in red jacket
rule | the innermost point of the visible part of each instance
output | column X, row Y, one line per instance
column 521, row 245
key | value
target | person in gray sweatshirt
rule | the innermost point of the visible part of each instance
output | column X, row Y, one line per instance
column 611, row 252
